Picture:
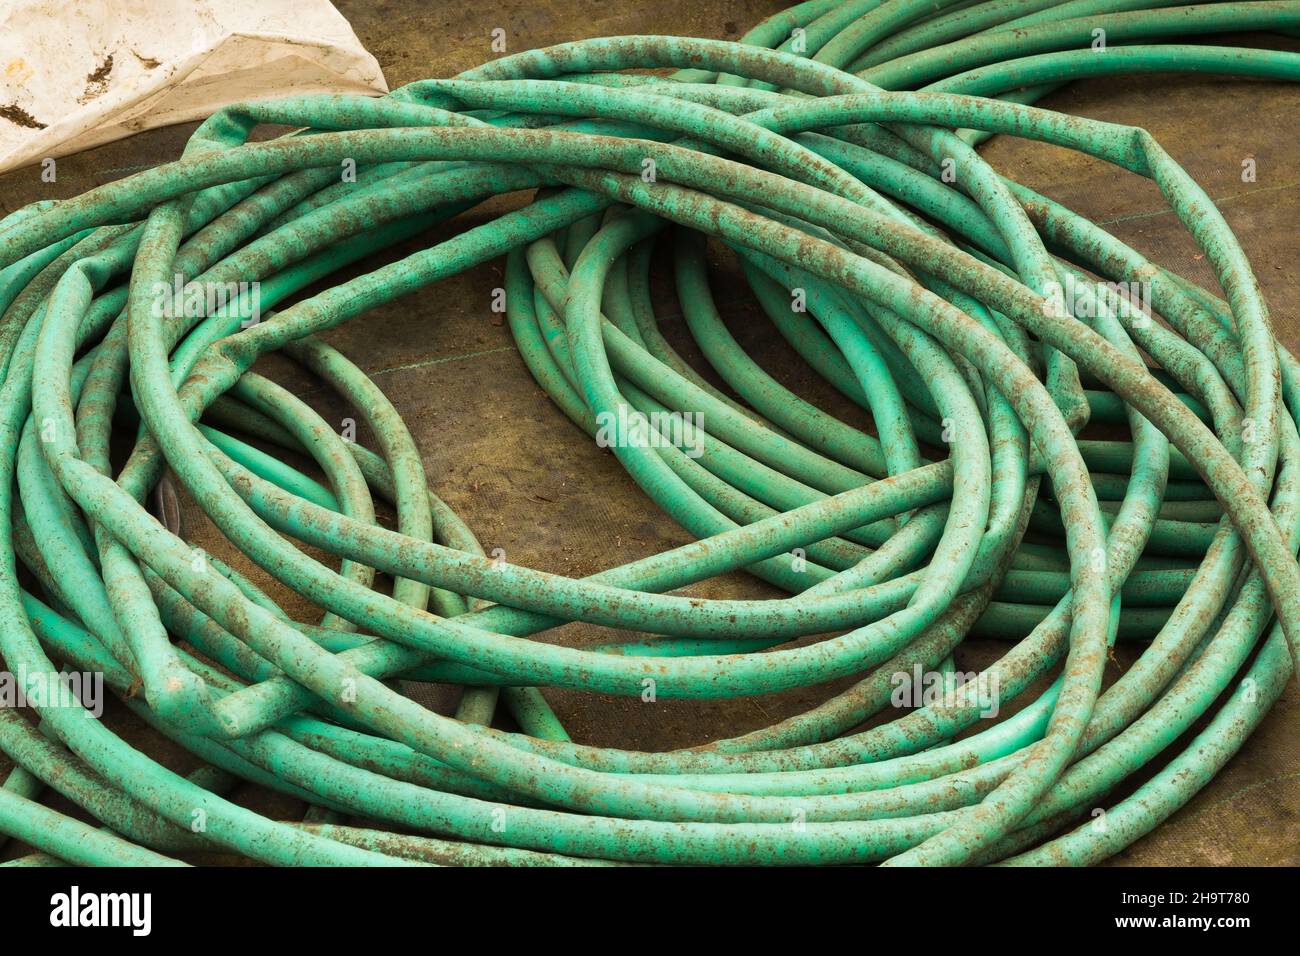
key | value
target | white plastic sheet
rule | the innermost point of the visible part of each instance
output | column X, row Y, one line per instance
column 78, row 73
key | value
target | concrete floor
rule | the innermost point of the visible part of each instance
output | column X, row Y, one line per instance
column 528, row 482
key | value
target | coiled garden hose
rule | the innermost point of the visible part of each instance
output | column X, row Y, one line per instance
column 832, row 153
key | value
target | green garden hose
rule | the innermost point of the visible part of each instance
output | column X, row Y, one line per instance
column 831, row 152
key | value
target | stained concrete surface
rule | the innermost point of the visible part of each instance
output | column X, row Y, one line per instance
column 528, row 481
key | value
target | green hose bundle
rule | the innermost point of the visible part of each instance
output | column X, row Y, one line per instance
column 832, row 151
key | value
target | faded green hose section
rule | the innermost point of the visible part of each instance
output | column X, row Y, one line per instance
column 978, row 331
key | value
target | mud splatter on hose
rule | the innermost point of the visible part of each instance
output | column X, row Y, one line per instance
column 981, row 325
